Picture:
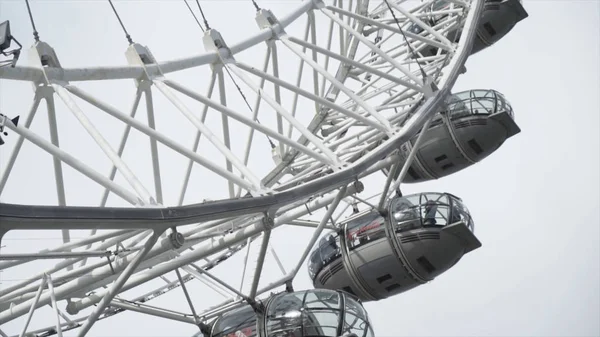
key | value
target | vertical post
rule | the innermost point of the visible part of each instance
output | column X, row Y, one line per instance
column 225, row 122
column 277, row 91
column 58, row 172
column 153, row 145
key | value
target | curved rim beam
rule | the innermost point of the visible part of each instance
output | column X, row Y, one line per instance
column 131, row 72
column 58, row 217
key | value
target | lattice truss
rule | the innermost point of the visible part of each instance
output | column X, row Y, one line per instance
column 169, row 188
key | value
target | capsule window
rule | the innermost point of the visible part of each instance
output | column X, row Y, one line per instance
column 488, row 27
column 349, row 290
column 424, row 262
column 447, row 166
column 384, row 278
column 440, row 158
column 413, row 174
column 355, row 319
column 392, row 287
column 475, row 146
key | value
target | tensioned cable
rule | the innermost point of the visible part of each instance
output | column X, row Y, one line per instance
column 246, row 100
column 194, row 15
column 121, row 22
column 255, row 5
column 36, row 36
column 227, row 69
column 203, row 17
column 412, row 51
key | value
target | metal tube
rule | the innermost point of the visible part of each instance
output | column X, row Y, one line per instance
column 318, row 99
column 409, row 160
column 54, row 305
column 153, row 312
column 33, row 306
column 58, row 171
column 161, row 138
column 34, row 74
column 209, row 135
column 104, row 145
column 203, row 250
column 374, row 48
column 225, row 123
column 248, row 242
column 113, row 169
column 319, row 230
column 73, row 244
column 332, row 158
column 245, row 120
column 75, row 163
column 55, row 255
column 13, row 156
column 338, row 84
column 188, row 171
column 116, row 287
column 260, row 262
column 153, row 146
column 187, row 296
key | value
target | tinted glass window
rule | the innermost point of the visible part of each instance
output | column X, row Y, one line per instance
column 238, row 323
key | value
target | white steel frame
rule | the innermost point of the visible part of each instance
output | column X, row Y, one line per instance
column 363, row 139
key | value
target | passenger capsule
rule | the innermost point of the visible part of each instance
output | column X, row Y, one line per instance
column 375, row 256
column 498, row 19
column 303, row 313
column 475, row 124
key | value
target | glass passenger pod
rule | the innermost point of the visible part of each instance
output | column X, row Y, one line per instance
column 310, row 313
column 428, row 210
column 434, row 210
column 316, row 313
column 498, row 19
column 239, row 322
column 364, row 229
column 327, row 251
column 359, row 230
column 483, row 102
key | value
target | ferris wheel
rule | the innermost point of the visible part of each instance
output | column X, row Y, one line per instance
column 309, row 123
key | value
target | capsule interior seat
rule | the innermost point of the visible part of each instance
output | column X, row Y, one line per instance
column 375, row 256
column 310, row 313
column 474, row 124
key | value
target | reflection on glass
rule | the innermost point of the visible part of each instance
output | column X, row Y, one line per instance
column 461, row 213
column 365, row 229
column 355, row 319
column 315, row 313
column 428, row 210
column 327, row 251
column 475, row 102
column 236, row 323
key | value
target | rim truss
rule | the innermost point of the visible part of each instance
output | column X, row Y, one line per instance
column 290, row 152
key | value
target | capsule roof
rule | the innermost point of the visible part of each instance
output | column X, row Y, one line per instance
column 478, row 101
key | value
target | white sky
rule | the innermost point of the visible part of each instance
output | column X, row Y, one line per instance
column 535, row 201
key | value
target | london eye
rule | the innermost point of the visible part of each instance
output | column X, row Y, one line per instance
column 197, row 189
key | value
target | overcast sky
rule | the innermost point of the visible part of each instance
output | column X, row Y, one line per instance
column 535, row 201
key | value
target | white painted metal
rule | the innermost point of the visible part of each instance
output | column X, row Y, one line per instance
column 311, row 170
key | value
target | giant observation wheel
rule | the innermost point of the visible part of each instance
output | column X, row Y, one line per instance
column 183, row 191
